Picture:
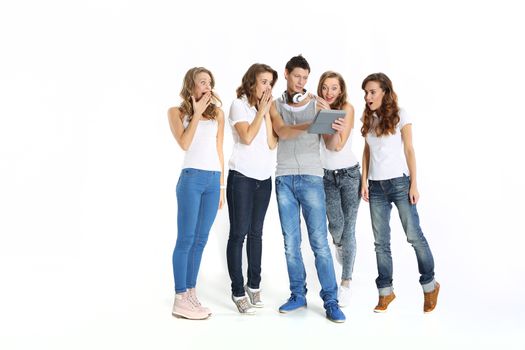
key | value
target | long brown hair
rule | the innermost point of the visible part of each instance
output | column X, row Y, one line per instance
column 388, row 111
column 341, row 99
column 186, row 106
column 249, row 81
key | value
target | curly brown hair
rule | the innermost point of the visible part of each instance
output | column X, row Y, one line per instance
column 388, row 111
column 341, row 99
column 249, row 81
column 186, row 106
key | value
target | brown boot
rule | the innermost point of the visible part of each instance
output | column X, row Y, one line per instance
column 431, row 299
column 382, row 305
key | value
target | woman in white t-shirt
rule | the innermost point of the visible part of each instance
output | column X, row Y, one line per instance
column 389, row 165
column 249, row 185
column 198, row 126
column 342, row 179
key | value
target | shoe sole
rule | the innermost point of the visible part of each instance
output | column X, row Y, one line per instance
column 336, row 321
column 257, row 306
column 181, row 315
column 288, row 311
column 380, row 311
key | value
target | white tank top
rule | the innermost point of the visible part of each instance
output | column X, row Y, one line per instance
column 333, row 160
column 202, row 153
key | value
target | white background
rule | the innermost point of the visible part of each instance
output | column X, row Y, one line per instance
column 88, row 169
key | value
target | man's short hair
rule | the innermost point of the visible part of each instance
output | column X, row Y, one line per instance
column 297, row 62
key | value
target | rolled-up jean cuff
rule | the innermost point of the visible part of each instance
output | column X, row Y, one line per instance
column 429, row 287
column 385, row 291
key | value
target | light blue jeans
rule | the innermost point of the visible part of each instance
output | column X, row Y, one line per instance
column 342, row 189
column 306, row 192
column 198, row 193
column 381, row 194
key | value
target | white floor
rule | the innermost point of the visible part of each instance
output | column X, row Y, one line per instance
column 102, row 299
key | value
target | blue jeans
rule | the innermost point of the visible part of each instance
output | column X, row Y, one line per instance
column 381, row 195
column 198, row 193
column 342, row 202
column 248, row 201
column 306, row 192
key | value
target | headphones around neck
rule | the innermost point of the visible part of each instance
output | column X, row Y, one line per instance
column 296, row 97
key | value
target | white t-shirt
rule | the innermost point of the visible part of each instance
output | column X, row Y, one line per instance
column 387, row 157
column 333, row 160
column 256, row 160
column 202, row 153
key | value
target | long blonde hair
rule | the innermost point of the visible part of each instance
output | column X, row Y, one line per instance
column 186, row 106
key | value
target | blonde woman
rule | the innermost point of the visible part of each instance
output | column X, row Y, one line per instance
column 198, row 126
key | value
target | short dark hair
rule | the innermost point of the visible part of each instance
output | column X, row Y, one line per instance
column 297, row 62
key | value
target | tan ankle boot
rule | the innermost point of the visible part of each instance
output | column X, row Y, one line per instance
column 384, row 301
column 431, row 299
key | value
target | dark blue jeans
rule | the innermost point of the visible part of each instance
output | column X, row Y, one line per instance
column 248, row 201
column 382, row 194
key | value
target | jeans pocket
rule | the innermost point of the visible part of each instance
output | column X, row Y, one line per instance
column 354, row 174
column 401, row 183
column 189, row 172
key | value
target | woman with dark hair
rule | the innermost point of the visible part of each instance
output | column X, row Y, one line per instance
column 392, row 179
column 249, row 184
column 341, row 179
column 198, row 126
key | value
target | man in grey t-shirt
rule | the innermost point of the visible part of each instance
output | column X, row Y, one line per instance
column 299, row 185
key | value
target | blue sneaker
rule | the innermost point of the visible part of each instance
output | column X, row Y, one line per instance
column 334, row 313
column 295, row 302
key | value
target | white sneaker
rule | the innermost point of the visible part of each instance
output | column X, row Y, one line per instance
column 343, row 295
column 339, row 254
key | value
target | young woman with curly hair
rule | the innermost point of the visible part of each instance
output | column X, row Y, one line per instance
column 392, row 179
column 250, row 181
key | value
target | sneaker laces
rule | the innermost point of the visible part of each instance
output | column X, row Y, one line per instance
column 293, row 297
column 332, row 307
column 242, row 304
column 193, row 299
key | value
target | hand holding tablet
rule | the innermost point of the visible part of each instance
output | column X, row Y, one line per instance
column 323, row 120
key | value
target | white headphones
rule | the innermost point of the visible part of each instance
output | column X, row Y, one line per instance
column 296, row 97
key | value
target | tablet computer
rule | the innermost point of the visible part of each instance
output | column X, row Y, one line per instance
column 323, row 120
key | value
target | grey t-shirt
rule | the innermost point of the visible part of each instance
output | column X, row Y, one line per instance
column 300, row 155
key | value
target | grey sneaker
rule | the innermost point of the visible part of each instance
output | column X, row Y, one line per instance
column 243, row 306
column 255, row 297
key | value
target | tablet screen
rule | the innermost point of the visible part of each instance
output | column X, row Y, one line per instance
column 323, row 120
